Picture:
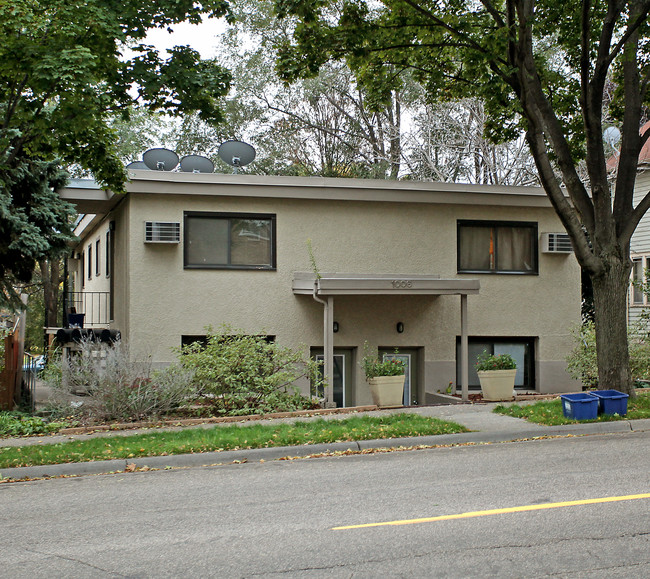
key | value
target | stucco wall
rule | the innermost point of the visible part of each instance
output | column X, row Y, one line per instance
column 157, row 300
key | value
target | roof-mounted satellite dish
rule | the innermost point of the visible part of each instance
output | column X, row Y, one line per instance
column 237, row 153
column 196, row 164
column 160, row 159
column 137, row 165
column 612, row 136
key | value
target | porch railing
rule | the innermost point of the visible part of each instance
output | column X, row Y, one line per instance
column 92, row 309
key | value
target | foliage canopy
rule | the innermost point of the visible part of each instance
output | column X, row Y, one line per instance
column 64, row 70
column 544, row 66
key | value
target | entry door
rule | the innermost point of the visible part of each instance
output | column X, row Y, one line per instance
column 409, row 359
column 343, row 391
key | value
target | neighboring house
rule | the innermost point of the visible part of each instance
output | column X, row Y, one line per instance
column 422, row 267
column 640, row 244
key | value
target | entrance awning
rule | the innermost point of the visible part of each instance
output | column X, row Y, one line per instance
column 347, row 284
column 324, row 287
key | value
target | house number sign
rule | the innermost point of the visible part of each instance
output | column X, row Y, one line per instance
column 402, row 284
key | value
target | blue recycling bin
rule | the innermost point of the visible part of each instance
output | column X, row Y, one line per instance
column 579, row 406
column 611, row 401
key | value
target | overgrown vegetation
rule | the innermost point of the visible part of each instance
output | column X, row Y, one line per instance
column 115, row 386
column 230, row 437
column 238, row 373
column 231, row 374
column 582, row 362
column 21, row 424
column 549, row 412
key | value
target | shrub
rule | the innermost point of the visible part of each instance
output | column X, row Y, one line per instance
column 486, row 362
column 21, row 424
column 117, row 387
column 245, row 374
column 582, row 363
column 373, row 366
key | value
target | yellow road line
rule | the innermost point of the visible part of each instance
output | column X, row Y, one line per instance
column 487, row 513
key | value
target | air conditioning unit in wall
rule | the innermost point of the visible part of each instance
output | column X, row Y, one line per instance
column 556, row 243
column 162, row 232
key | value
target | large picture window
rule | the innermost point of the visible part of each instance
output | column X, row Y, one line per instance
column 521, row 349
column 229, row 240
column 497, row 247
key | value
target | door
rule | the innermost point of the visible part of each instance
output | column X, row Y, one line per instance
column 343, row 387
column 409, row 358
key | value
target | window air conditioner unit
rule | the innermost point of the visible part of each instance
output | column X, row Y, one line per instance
column 162, row 232
column 556, row 243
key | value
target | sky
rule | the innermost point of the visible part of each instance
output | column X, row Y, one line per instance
column 200, row 37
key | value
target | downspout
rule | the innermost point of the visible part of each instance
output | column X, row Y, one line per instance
column 328, row 346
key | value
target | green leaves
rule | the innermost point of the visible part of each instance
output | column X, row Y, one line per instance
column 246, row 374
column 62, row 76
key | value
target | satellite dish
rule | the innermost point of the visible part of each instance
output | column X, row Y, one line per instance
column 237, row 153
column 612, row 136
column 160, row 159
column 137, row 165
column 196, row 164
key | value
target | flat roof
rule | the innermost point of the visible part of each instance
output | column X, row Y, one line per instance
column 90, row 198
column 347, row 284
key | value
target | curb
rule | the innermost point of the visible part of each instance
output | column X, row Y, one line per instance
column 285, row 452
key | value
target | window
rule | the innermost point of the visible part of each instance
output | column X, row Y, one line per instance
column 90, row 261
column 637, row 295
column 229, row 240
column 97, row 268
column 521, row 349
column 108, row 254
column 82, row 273
column 497, row 247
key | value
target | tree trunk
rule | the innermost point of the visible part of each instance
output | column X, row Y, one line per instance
column 610, row 313
column 51, row 278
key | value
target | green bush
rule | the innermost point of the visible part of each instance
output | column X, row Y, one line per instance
column 20, row 424
column 486, row 362
column 245, row 374
column 582, row 363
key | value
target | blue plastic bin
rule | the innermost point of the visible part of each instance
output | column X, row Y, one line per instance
column 579, row 406
column 611, row 401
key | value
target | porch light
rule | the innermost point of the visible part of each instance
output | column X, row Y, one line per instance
column 399, row 327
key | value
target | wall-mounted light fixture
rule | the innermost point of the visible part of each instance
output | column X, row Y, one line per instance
column 399, row 327
column 335, row 327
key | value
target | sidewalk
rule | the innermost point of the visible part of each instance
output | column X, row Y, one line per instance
column 486, row 427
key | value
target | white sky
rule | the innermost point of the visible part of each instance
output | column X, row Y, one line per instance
column 200, row 37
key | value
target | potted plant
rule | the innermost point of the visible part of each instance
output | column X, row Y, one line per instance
column 385, row 378
column 496, row 373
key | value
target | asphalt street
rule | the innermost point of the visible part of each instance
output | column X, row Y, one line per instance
column 476, row 510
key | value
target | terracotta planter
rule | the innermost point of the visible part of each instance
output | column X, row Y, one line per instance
column 497, row 384
column 387, row 390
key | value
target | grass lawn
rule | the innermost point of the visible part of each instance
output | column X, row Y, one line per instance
column 232, row 437
column 549, row 412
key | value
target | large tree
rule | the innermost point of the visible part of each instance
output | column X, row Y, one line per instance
column 66, row 68
column 542, row 65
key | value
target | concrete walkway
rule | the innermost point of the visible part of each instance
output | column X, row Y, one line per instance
column 486, row 428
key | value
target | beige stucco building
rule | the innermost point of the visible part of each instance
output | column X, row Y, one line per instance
column 422, row 267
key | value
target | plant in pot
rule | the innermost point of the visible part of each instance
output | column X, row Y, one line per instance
column 496, row 373
column 385, row 378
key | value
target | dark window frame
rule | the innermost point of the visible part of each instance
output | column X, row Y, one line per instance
column 89, row 255
column 97, row 260
column 107, row 252
column 495, row 224
column 229, row 216
column 530, row 377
